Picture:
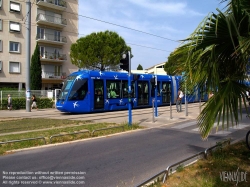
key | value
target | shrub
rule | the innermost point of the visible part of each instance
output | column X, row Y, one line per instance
column 20, row 103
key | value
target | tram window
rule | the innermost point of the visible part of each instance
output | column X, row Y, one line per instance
column 113, row 89
column 119, row 89
column 79, row 90
column 124, row 89
column 166, row 92
column 133, row 89
column 158, row 89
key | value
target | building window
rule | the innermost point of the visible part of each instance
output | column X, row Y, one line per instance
column 1, row 65
column 15, row 47
column 14, row 67
column 58, row 70
column 57, row 35
column 43, row 53
column 15, row 7
column 15, row 27
column 1, row 45
column 1, row 24
column 40, row 33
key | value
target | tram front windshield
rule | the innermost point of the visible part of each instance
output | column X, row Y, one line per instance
column 79, row 90
column 66, row 87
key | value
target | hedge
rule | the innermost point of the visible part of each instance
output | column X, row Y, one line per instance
column 20, row 103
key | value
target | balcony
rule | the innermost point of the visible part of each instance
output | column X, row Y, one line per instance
column 51, row 39
column 55, row 4
column 53, row 75
column 53, row 57
column 51, row 20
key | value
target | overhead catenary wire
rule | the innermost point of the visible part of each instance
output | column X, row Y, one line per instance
column 128, row 28
column 26, row 15
column 113, row 24
column 34, row 24
column 87, row 17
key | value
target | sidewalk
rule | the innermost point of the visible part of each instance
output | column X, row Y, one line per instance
column 167, row 118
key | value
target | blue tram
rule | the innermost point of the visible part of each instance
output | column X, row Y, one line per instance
column 89, row 91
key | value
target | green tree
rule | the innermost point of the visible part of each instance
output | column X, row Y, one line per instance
column 216, row 56
column 174, row 64
column 102, row 51
column 139, row 67
column 36, row 70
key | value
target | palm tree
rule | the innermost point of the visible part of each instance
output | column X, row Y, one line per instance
column 216, row 57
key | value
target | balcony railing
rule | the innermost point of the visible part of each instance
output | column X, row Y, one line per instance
column 51, row 38
column 53, row 75
column 51, row 20
column 53, row 56
column 56, row 4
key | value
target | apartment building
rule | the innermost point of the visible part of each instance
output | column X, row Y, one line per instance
column 54, row 26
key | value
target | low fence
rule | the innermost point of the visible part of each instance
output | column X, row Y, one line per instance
column 66, row 134
column 73, row 133
column 28, row 139
column 165, row 173
column 22, row 94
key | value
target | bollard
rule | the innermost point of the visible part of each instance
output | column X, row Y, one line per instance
column 186, row 107
column 200, row 106
column 171, row 116
column 153, row 110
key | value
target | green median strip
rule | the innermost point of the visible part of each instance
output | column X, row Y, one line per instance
column 61, row 130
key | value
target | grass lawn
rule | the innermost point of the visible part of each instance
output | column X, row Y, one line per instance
column 20, row 129
column 229, row 166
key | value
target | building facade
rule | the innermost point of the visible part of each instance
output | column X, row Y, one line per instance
column 54, row 27
column 158, row 69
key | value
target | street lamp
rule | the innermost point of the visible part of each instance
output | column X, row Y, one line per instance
column 156, row 112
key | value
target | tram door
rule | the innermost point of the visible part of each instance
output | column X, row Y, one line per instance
column 143, row 97
column 166, row 92
column 98, row 94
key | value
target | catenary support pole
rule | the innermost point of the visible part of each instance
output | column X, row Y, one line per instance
column 170, row 107
column 129, row 92
column 186, row 104
column 153, row 117
column 28, row 39
column 156, row 112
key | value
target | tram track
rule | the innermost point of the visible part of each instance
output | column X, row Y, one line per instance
column 112, row 115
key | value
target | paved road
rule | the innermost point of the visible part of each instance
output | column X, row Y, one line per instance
column 125, row 159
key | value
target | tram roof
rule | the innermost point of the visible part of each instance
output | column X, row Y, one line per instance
column 108, row 74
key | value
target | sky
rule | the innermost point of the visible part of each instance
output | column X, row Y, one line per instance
column 152, row 28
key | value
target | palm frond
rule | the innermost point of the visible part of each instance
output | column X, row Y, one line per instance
column 223, row 108
column 215, row 56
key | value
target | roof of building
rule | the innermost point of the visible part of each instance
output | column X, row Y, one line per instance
column 156, row 65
